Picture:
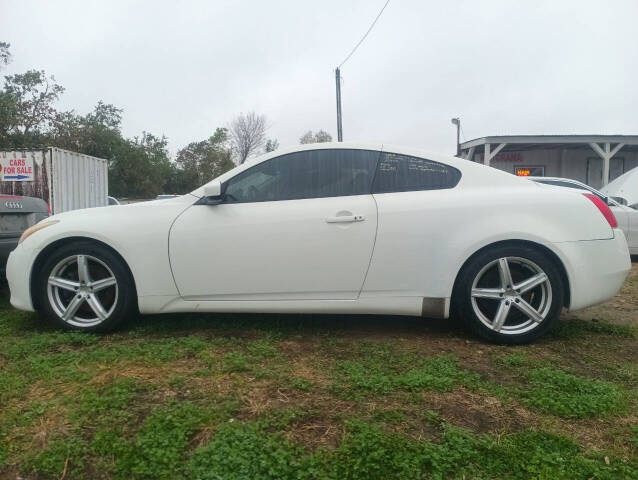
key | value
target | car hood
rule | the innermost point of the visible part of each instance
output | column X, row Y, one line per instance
column 625, row 186
column 115, row 211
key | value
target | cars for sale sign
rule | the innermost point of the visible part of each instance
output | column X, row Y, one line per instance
column 16, row 167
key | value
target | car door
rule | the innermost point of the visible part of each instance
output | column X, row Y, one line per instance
column 298, row 226
column 415, row 197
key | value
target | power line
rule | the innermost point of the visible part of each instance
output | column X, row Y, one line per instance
column 366, row 34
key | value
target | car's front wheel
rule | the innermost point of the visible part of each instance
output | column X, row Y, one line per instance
column 85, row 286
column 509, row 294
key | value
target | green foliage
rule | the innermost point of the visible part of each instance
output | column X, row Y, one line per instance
column 235, row 362
column 159, row 447
column 250, row 358
column 32, row 95
column 392, row 416
column 300, row 383
column 367, row 452
column 106, row 404
column 379, row 370
column 514, row 360
column 241, row 451
column 156, row 401
column 200, row 162
column 566, row 395
column 60, row 454
column 249, row 450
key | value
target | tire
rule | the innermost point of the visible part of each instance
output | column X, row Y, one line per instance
column 84, row 286
column 514, row 308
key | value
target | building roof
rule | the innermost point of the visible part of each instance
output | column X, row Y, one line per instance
column 540, row 141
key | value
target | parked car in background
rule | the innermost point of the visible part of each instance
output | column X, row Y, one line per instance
column 17, row 214
column 112, row 201
column 165, row 196
column 625, row 187
column 627, row 217
column 333, row 228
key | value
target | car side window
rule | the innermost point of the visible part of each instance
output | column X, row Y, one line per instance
column 307, row 174
column 404, row 173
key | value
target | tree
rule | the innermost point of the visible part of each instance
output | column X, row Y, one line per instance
column 8, row 115
column 200, row 162
column 247, row 134
column 5, row 54
column 140, row 167
column 98, row 133
column 33, row 95
column 272, row 144
column 320, row 137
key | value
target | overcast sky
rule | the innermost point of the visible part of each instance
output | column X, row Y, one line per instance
column 184, row 68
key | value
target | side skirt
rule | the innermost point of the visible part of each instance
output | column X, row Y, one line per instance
column 413, row 306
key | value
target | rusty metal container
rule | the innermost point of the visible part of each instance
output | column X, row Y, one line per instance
column 65, row 180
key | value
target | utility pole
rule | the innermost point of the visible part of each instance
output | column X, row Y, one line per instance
column 457, row 121
column 339, row 129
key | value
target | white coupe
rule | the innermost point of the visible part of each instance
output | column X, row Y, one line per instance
column 332, row 228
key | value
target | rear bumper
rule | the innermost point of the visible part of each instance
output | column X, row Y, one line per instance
column 596, row 269
column 7, row 245
column 18, row 275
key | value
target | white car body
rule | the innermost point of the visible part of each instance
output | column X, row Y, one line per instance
column 402, row 256
column 627, row 217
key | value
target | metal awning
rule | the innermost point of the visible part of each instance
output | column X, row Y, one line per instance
column 605, row 146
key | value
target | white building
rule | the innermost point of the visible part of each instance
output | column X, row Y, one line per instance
column 593, row 159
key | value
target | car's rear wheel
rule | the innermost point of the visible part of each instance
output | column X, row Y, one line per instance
column 509, row 294
column 85, row 286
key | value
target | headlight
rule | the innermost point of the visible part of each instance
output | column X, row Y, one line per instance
column 38, row 226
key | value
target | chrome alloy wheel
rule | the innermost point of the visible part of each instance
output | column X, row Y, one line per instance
column 511, row 295
column 82, row 290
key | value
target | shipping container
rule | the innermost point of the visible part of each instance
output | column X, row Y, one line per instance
column 65, row 180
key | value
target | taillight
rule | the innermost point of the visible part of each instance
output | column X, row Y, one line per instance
column 49, row 209
column 604, row 209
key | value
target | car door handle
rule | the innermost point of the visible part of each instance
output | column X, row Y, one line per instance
column 345, row 219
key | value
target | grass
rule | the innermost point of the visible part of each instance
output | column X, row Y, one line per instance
column 566, row 395
column 283, row 397
column 380, row 370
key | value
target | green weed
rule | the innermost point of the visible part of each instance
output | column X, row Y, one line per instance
column 566, row 395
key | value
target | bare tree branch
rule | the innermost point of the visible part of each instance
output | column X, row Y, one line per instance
column 320, row 137
column 248, row 134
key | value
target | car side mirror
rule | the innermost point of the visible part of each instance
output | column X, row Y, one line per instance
column 213, row 194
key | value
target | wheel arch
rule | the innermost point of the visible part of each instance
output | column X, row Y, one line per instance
column 526, row 243
column 42, row 256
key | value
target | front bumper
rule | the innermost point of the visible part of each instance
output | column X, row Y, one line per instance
column 596, row 268
column 18, row 272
